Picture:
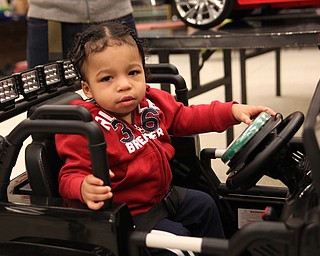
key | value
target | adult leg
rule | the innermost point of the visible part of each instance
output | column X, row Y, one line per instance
column 129, row 20
column 37, row 42
column 69, row 32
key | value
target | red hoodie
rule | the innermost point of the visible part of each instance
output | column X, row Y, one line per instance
column 138, row 153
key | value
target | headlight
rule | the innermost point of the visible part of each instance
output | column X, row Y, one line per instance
column 8, row 93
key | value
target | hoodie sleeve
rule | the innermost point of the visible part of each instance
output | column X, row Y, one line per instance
column 73, row 150
column 187, row 120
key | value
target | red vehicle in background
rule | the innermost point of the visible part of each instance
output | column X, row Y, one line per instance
column 204, row 14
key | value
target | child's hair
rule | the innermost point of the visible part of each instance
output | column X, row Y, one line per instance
column 98, row 37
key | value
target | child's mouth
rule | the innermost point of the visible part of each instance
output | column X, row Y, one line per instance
column 127, row 101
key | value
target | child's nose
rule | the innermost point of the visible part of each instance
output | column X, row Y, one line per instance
column 124, row 83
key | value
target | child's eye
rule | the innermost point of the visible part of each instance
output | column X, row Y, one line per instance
column 134, row 72
column 106, row 78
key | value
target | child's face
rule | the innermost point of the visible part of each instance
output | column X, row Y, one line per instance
column 115, row 79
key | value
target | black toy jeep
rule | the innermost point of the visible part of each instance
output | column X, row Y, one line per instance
column 35, row 220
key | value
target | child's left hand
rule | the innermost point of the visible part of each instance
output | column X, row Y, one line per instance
column 246, row 113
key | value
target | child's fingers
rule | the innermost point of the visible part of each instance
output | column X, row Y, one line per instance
column 92, row 180
column 111, row 173
column 95, row 205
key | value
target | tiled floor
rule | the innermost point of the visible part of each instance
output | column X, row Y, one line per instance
column 299, row 75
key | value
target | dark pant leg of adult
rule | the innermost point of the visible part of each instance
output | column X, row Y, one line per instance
column 37, row 38
column 129, row 20
column 70, row 30
column 37, row 42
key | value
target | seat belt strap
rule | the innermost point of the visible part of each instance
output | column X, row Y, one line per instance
column 54, row 40
column 166, row 208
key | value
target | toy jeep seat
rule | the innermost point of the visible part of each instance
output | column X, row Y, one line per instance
column 42, row 160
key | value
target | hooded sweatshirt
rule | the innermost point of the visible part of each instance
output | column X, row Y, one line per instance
column 138, row 152
column 79, row 11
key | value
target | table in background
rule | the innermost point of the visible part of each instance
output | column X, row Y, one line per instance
column 251, row 37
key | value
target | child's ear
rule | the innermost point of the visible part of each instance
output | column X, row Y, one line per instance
column 86, row 89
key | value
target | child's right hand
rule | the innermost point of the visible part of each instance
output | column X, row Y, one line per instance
column 246, row 113
column 94, row 193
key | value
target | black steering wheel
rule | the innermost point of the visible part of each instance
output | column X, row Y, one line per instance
column 255, row 148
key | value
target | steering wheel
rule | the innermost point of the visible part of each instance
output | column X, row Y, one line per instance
column 251, row 152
